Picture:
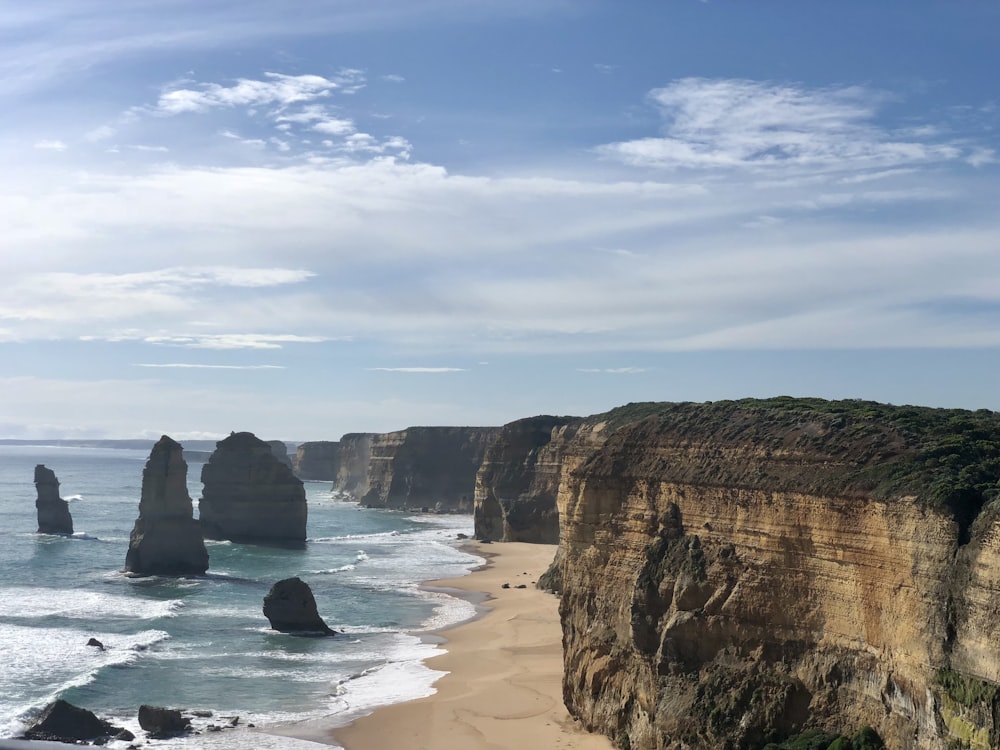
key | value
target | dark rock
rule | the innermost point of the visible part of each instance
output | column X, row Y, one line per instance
column 125, row 736
column 53, row 512
column 63, row 722
column 317, row 460
column 280, row 451
column 162, row 722
column 202, row 714
column 234, row 721
column 250, row 496
column 291, row 608
column 505, row 586
column 461, row 536
column 521, row 586
column 166, row 539
column 95, row 643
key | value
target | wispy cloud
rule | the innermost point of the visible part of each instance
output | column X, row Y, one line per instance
column 233, row 340
column 613, row 370
column 51, row 145
column 418, row 369
column 393, row 78
column 189, row 366
column 736, row 123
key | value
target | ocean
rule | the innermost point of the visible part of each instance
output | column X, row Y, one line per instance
column 203, row 644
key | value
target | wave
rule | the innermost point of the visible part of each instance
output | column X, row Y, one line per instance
column 73, row 498
column 24, row 603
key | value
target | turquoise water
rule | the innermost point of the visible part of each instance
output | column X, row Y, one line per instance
column 203, row 643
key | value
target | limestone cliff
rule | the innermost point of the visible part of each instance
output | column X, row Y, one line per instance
column 250, row 496
column 517, row 483
column 280, row 451
column 734, row 573
column 353, row 456
column 53, row 512
column 317, row 460
column 166, row 539
column 427, row 467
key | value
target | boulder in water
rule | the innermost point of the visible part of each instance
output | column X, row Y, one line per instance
column 53, row 512
column 290, row 607
column 63, row 722
column 166, row 539
column 162, row 722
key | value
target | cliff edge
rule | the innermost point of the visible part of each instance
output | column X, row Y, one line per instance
column 734, row 573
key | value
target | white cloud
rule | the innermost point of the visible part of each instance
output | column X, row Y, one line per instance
column 188, row 366
column 614, row 370
column 393, row 78
column 736, row 123
column 51, row 145
column 101, row 133
column 276, row 90
column 233, row 340
column 334, row 126
column 418, row 369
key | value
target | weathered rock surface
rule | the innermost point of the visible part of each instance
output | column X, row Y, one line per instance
column 736, row 572
column 317, row 460
column 162, row 722
column 166, row 540
column 517, row 483
column 250, row 496
column 427, row 467
column 53, row 512
column 63, row 722
column 290, row 607
column 280, row 451
column 354, row 456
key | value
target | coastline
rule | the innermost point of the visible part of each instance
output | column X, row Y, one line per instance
column 502, row 686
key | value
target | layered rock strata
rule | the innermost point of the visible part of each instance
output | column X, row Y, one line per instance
column 53, row 512
column 517, row 483
column 734, row 573
column 432, row 468
column 250, row 496
column 290, row 607
column 166, row 539
column 317, row 460
column 354, row 456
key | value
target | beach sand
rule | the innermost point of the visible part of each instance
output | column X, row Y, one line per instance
column 503, row 690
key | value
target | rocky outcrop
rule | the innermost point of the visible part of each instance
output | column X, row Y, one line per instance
column 53, row 512
column 163, row 722
column 166, row 539
column 250, row 496
column 430, row 468
column 291, row 608
column 63, row 722
column 734, row 573
column 517, row 483
column 280, row 451
column 354, row 455
column 317, row 460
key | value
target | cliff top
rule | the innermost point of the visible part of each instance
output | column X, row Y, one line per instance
column 944, row 457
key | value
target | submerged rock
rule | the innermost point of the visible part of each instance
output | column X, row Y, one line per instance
column 53, row 512
column 63, row 722
column 250, row 496
column 291, row 608
column 166, row 539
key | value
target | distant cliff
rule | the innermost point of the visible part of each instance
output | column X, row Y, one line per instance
column 318, row 460
column 353, row 457
column 517, row 483
column 734, row 573
column 426, row 467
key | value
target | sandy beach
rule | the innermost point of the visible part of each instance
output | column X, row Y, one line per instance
column 503, row 688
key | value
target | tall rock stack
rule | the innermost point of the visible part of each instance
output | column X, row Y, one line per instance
column 166, row 539
column 250, row 496
column 53, row 511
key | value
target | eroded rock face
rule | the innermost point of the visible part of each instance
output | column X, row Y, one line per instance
column 317, row 460
column 166, row 539
column 517, row 483
column 354, row 456
column 290, row 607
column 735, row 573
column 163, row 722
column 280, row 451
column 427, row 467
column 250, row 496
column 63, row 722
column 53, row 512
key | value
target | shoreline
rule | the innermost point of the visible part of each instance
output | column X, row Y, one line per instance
column 502, row 681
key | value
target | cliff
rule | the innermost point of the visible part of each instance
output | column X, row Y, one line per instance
column 250, row 496
column 53, row 512
column 317, row 460
column 280, row 451
column 517, row 483
column 735, row 573
column 427, row 467
column 166, row 539
column 353, row 458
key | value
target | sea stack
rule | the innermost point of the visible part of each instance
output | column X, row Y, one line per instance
column 290, row 607
column 250, row 496
column 53, row 511
column 166, row 539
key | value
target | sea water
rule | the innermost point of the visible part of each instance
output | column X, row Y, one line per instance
column 202, row 643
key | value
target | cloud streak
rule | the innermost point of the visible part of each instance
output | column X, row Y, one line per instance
column 189, row 366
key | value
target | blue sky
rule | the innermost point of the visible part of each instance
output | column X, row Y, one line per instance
column 304, row 219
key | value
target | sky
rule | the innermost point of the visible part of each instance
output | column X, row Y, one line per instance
column 316, row 217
